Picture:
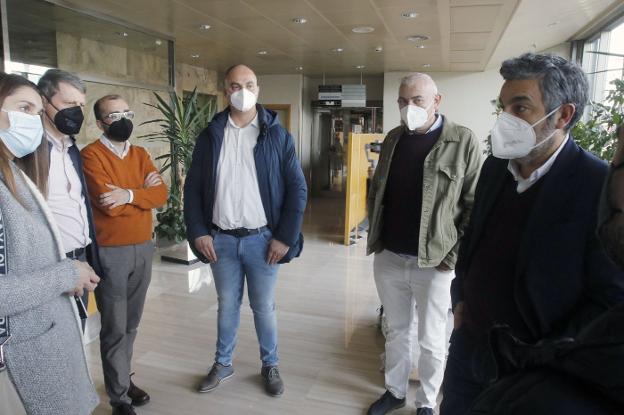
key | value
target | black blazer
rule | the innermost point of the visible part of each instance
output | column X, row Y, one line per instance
column 563, row 278
column 93, row 256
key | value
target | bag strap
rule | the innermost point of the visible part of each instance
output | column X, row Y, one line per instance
column 5, row 333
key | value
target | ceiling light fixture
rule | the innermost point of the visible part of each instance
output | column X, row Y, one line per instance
column 299, row 20
column 418, row 38
column 337, row 50
column 360, row 67
column 409, row 15
column 122, row 34
column 420, row 46
column 204, row 27
column 158, row 42
column 299, row 68
column 195, row 56
column 426, row 65
column 379, row 49
column 263, row 52
column 363, row 29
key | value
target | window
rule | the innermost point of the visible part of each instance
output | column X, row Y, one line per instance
column 603, row 59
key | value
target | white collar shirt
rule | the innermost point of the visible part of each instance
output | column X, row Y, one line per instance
column 65, row 196
column 237, row 196
column 524, row 184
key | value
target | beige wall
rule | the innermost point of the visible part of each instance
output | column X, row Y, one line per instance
column 284, row 89
column 95, row 60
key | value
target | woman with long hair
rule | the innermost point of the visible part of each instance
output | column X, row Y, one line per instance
column 43, row 350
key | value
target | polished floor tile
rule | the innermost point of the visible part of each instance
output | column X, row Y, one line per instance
column 329, row 339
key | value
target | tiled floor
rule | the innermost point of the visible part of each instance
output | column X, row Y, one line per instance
column 329, row 341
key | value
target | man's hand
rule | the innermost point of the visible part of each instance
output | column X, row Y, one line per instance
column 115, row 198
column 205, row 246
column 87, row 279
column 153, row 179
column 458, row 315
column 276, row 252
column 443, row 267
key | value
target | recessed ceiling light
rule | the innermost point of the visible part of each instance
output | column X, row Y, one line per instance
column 417, row 38
column 426, row 65
column 379, row 49
column 195, row 56
column 337, row 50
column 420, row 46
column 299, row 68
column 204, row 27
column 299, row 20
column 122, row 34
column 158, row 42
column 263, row 52
column 409, row 15
column 363, row 29
column 360, row 67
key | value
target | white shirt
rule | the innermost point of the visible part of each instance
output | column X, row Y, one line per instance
column 65, row 196
column 237, row 197
column 108, row 144
column 121, row 154
column 524, row 184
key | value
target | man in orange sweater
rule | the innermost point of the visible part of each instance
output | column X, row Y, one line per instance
column 124, row 187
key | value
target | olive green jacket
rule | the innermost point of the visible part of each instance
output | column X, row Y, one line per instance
column 450, row 174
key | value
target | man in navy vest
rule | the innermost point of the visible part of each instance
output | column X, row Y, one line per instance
column 244, row 199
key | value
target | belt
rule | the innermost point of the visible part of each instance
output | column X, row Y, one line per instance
column 76, row 253
column 240, row 232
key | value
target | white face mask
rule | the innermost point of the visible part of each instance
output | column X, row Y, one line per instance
column 514, row 138
column 243, row 99
column 24, row 133
column 414, row 116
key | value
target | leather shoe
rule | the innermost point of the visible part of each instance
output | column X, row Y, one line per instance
column 387, row 403
column 139, row 396
column 217, row 374
column 123, row 409
column 272, row 380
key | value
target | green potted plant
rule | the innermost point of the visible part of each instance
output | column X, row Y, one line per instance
column 597, row 133
column 180, row 123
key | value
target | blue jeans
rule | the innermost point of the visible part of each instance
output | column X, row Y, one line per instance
column 238, row 258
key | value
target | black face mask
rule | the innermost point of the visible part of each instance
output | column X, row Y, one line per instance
column 69, row 120
column 119, row 130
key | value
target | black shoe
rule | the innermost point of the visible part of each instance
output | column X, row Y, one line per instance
column 217, row 374
column 272, row 381
column 139, row 396
column 424, row 411
column 123, row 409
column 387, row 403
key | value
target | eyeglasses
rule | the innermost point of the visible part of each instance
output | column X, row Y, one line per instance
column 116, row 116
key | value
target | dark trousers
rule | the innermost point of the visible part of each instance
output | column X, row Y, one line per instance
column 120, row 295
column 470, row 369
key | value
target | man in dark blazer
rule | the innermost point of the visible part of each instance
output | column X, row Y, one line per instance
column 64, row 100
column 530, row 258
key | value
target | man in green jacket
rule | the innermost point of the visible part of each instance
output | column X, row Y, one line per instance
column 418, row 205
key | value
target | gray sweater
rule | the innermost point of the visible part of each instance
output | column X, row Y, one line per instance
column 45, row 355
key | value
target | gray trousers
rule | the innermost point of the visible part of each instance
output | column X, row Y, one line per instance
column 120, row 296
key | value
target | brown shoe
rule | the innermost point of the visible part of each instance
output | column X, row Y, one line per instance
column 139, row 396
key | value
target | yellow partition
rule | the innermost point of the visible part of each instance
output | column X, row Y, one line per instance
column 357, row 173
